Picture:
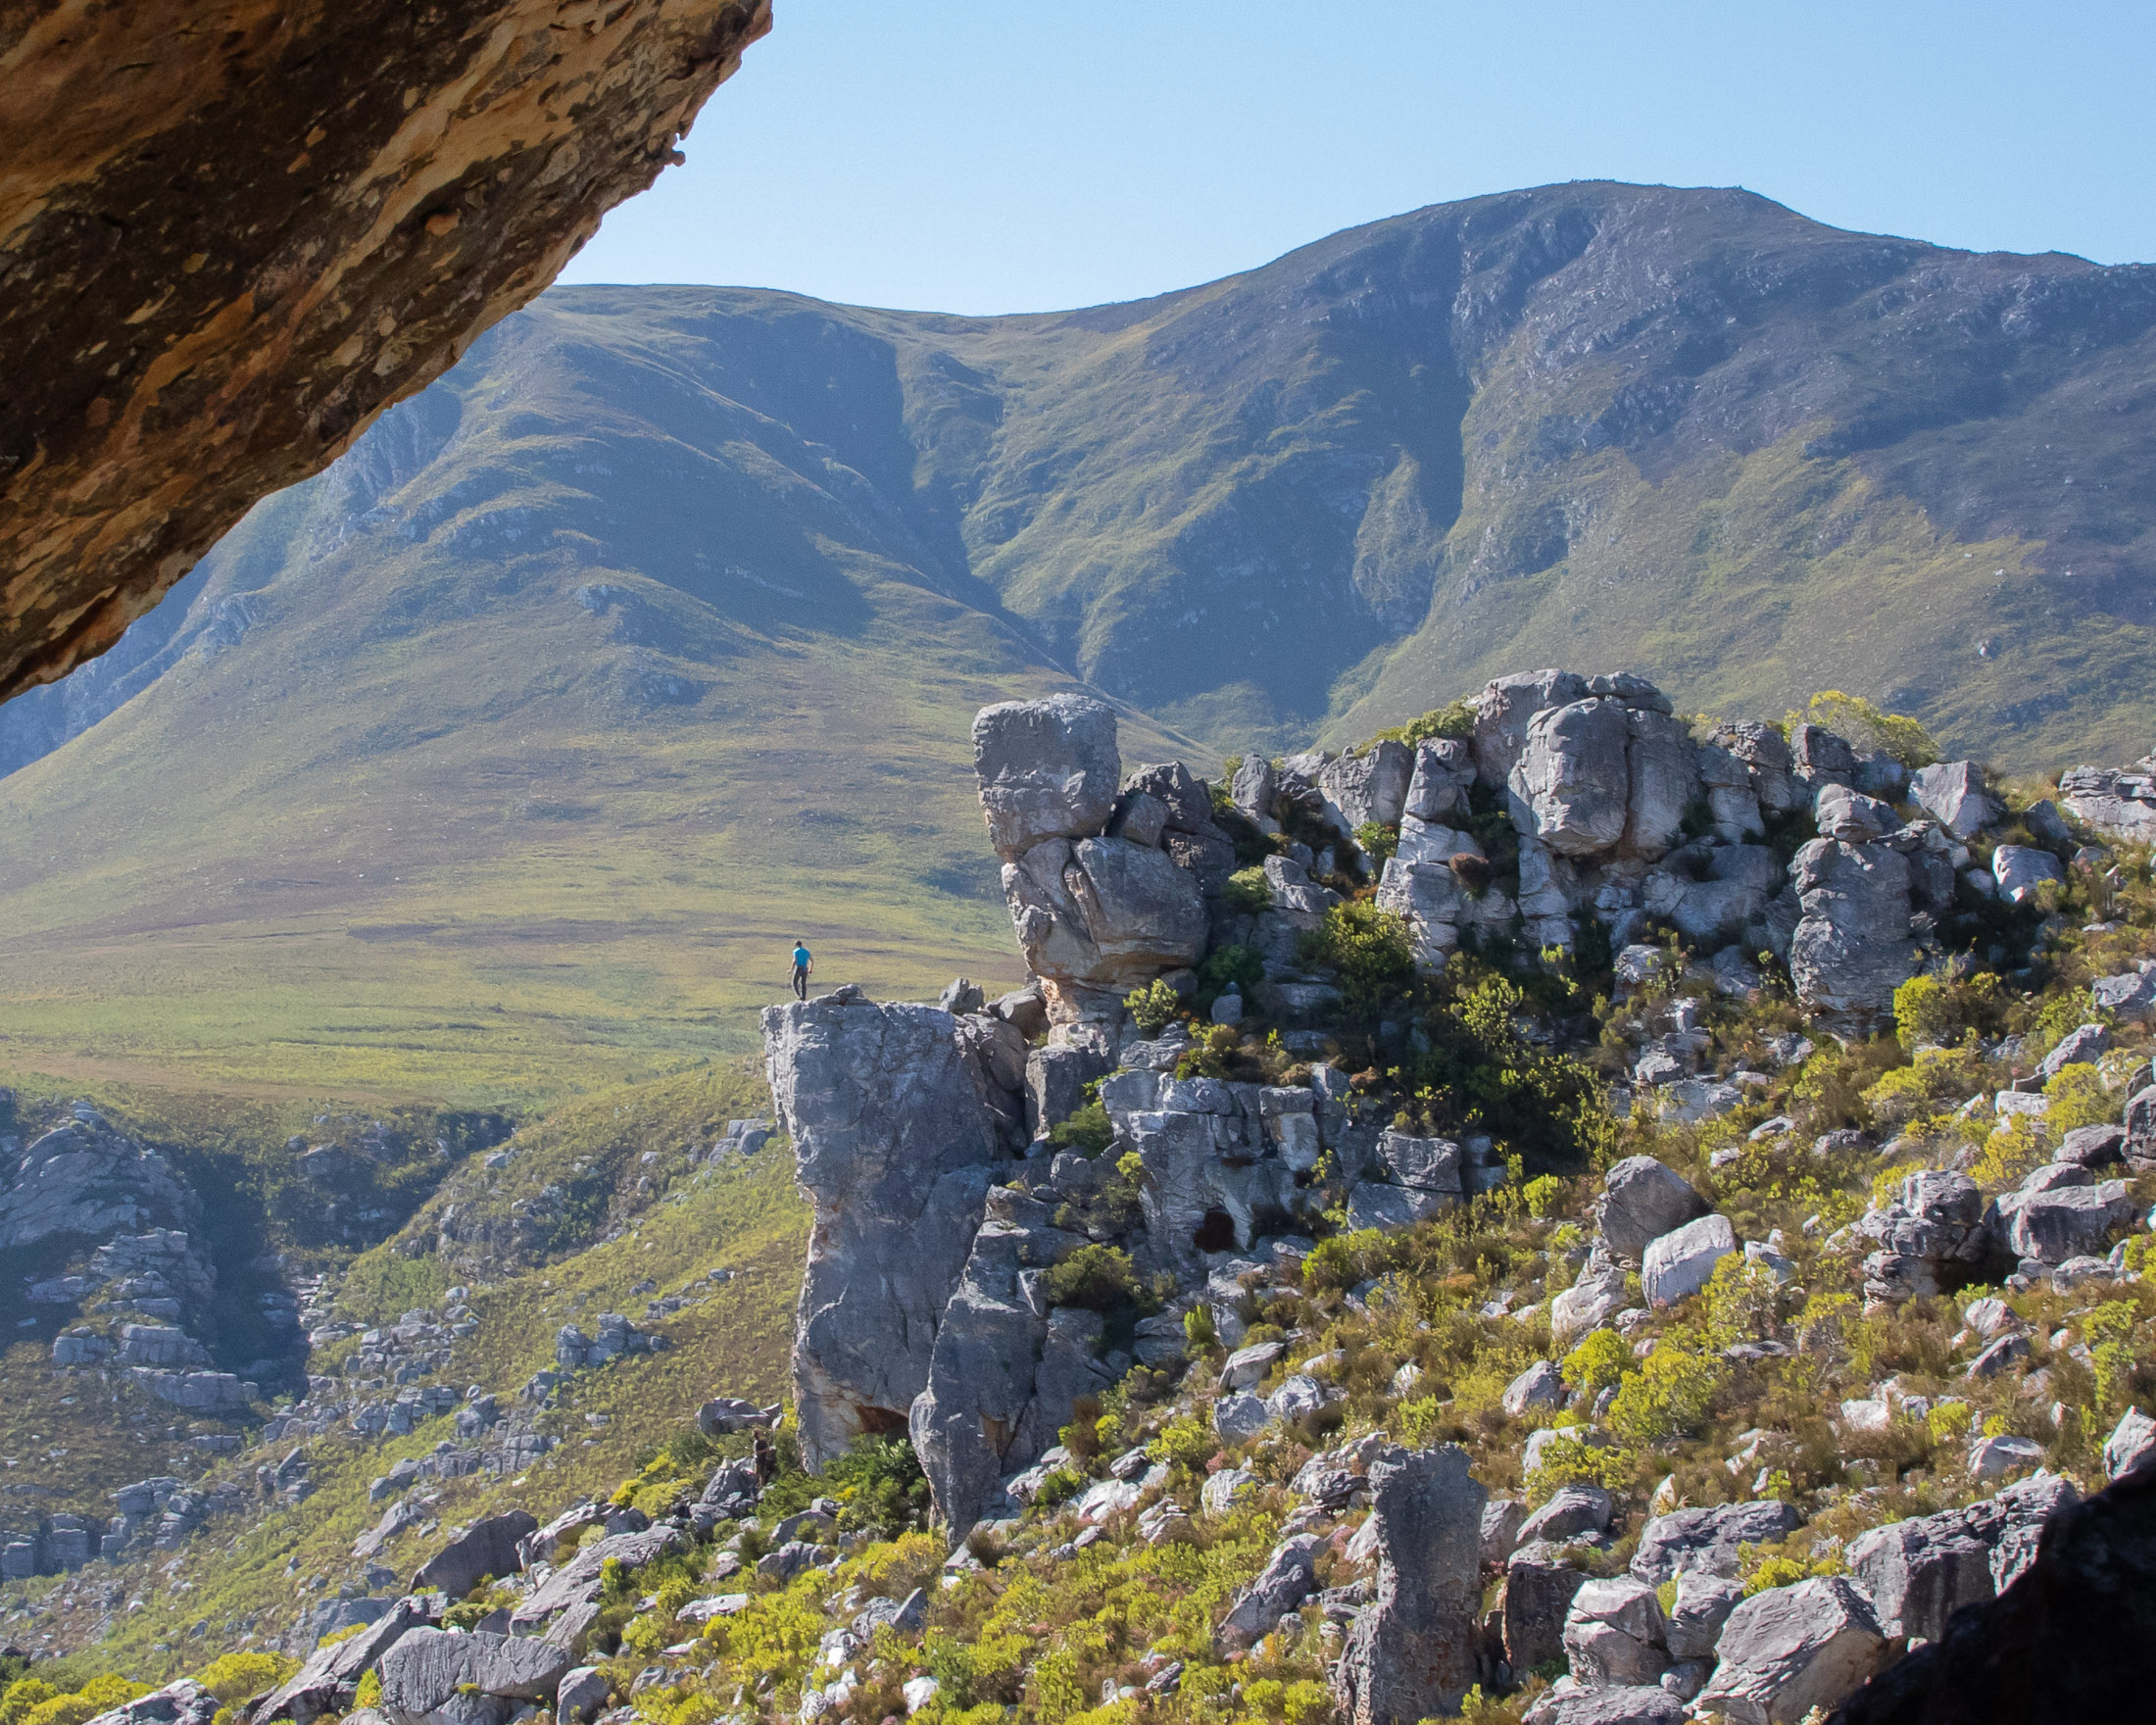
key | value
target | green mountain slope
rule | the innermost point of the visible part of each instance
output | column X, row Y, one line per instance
column 509, row 755
column 1687, row 431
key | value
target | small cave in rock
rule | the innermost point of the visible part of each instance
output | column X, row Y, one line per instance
column 1216, row 1233
column 1271, row 1219
column 881, row 1422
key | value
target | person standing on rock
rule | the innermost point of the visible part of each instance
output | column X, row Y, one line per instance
column 803, row 965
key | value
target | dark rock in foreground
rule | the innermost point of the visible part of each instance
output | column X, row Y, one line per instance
column 2068, row 1640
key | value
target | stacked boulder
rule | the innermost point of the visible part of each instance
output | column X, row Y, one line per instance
column 1345, row 793
column 2060, row 1212
column 1939, row 1235
column 1106, row 884
column 612, row 1337
column 923, row 1303
column 1623, row 816
column 432, row 1675
column 2119, row 801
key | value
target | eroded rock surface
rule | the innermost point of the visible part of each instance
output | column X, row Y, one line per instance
column 1411, row 1655
column 231, row 236
column 893, row 1146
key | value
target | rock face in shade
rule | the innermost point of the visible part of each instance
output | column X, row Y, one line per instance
column 1411, row 1653
column 230, row 236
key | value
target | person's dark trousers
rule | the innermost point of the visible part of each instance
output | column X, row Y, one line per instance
column 801, row 983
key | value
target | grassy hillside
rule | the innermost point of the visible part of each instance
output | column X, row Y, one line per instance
column 510, row 759
column 662, row 1222
column 509, row 756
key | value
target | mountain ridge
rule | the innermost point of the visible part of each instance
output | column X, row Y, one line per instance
column 716, row 578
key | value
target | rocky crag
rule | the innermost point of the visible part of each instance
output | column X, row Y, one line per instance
column 1288, row 1308
column 137, row 1283
column 1561, row 813
column 922, row 1307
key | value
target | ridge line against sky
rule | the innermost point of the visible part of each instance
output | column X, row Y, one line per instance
column 980, row 157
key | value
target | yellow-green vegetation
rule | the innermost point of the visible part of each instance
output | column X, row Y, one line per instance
column 233, row 1677
column 742, row 1215
column 34, row 1701
column 1751, row 1371
column 1868, row 729
column 1038, row 1631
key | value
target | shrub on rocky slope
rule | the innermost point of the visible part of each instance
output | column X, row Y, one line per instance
column 1603, row 1315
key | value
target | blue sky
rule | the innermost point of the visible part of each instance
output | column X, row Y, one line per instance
column 1011, row 154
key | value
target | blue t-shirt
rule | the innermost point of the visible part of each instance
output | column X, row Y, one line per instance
column 801, row 958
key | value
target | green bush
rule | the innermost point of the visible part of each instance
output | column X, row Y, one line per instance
column 1228, row 970
column 1247, row 893
column 1486, row 1074
column 1668, row 1397
column 1866, row 727
column 1598, row 1362
column 1059, row 1486
column 1567, row 1461
column 1379, row 843
column 1152, row 1006
column 1933, row 1077
column 2078, row 1098
column 1100, row 1278
column 23, row 1694
column 1773, row 1573
column 1927, row 1008
column 1372, row 953
column 880, row 1487
column 1419, row 1420
column 234, row 1677
column 1456, row 720
column 1343, row 1259
column 1089, row 1130
column 1185, row 1442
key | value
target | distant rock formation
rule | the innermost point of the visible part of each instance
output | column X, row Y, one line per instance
column 943, row 1219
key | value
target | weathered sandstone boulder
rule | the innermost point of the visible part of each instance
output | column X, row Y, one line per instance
column 1851, row 949
column 1046, row 769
